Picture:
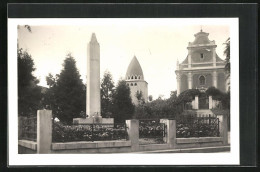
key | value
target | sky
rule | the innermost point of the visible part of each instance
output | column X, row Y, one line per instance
column 156, row 43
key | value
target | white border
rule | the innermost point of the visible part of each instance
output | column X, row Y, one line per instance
column 229, row 158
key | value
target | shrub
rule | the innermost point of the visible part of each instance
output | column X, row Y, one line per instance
column 95, row 132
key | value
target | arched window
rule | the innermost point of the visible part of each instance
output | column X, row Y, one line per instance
column 139, row 77
column 135, row 77
column 135, row 84
column 127, row 84
column 129, row 77
column 202, row 80
column 132, row 77
column 131, row 84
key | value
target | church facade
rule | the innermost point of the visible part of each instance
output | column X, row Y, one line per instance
column 135, row 80
column 202, row 67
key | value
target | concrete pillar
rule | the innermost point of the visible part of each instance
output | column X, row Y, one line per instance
column 223, row 128
column 93, row 80
column 133, row 133
column 189, row 80
column 196, row 102
column 170, row 137
column 215, row 79
column 178, row 77
column 210, row 102
column 44, row 131
column 214, row 56
column 189, row 59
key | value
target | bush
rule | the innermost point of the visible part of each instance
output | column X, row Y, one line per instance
column 68, row 133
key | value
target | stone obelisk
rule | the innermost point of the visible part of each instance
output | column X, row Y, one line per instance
column 93, row 86
column 93, row 78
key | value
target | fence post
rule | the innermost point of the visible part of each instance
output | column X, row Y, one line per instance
column 170, row 137
column 44, row 131
column 223, row 128
column 133, row 133
column 20, row 126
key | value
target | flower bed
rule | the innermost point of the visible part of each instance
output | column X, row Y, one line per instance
column 90, row 132
column 151, row 131
column 198, row 127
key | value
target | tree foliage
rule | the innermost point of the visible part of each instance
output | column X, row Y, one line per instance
column 123, row 107
column 139, row 96
column 107, row 91
column 227, row 54
column 159, row 108
column 67, row 93
column 29, row 93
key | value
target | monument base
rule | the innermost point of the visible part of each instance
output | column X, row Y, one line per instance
column 93, row 120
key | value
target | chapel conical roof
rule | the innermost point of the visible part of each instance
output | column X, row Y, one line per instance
column 134, row 68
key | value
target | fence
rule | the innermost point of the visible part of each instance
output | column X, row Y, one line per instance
column 93, row 143
column 197, row 127
column 151, row 131
column 88, row 132
column 28, row 128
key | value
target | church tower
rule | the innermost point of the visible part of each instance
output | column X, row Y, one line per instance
column 202, row 67
column 135, row 80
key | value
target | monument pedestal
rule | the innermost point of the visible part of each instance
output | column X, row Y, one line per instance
column 93, row 120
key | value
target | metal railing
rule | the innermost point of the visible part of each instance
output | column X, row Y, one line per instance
column 89, row 132
column 197, row 127
column 151, row 131
column 28, row 128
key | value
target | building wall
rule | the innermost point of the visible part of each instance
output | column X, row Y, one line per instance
column 208, row 81
column 221, row 82
column 184, row 83
column 196, row 56
column 138, row 86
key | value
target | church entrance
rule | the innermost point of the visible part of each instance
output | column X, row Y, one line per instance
column 203, row 102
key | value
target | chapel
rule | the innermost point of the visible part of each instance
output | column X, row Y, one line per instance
column 135, row 80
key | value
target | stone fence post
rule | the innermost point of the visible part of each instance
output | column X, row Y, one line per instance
column 170, row 137
column 44, row 131
column 133, row 133
column 223, row 128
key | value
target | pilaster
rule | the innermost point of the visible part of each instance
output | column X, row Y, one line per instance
column 190, row 80
column 215, row 80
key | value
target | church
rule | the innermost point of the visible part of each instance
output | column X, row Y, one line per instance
column 135, row 80
column 201, row 69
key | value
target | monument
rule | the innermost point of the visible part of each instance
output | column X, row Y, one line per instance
column 93, row 108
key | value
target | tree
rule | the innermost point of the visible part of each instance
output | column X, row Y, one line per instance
column 123, row 107
column 150, row 98
column 29, row 94
column 67, row 91
column 139, row 96
column 107, row 90
column 227, row 54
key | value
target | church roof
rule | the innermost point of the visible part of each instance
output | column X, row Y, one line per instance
column 134, row 68
column 201, row 38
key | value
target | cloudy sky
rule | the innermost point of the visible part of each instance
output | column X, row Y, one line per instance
column 157, row 44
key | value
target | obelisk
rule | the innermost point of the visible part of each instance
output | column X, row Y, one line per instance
column 93, row 78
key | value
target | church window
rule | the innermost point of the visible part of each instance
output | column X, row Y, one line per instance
column 135, row 84
column 139, row 77
column 201, row 55
column 131, row 84
column 132, row 77
column 135, row 77
column 202, row 80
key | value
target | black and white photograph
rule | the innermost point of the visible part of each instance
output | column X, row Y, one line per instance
column 125, row 87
